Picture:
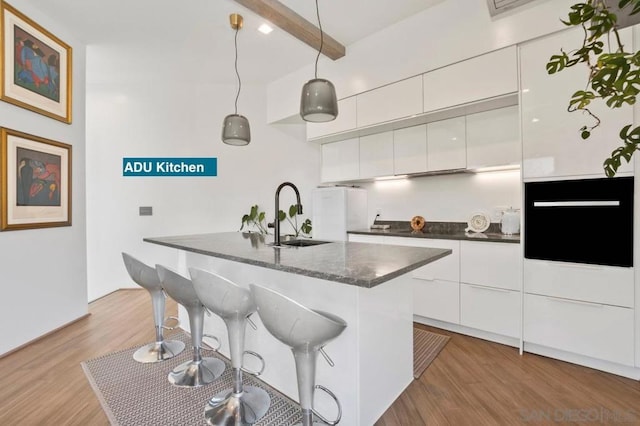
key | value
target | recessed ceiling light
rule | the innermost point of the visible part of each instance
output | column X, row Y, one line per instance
column 265, row 29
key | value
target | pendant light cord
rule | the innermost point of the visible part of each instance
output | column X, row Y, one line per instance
column 321, row 37
column 237, row 73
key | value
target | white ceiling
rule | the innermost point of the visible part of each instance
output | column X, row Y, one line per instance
column 199, row 31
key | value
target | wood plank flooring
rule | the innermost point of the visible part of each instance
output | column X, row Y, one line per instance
column 472, row 382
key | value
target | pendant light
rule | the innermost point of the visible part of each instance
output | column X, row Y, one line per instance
column 318, row 102
column 235, row 128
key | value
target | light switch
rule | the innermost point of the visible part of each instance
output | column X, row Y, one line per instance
column 146, row 211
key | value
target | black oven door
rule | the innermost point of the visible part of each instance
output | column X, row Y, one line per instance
column 581, row 221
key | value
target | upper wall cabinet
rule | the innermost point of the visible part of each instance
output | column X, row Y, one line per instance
column 391, row 102
column 376, row 155
column 346, row 120
column 341, row 160
column 493, row 138
column 551, row 142
column 482, row 77
column 446, row 144
column 410, row 150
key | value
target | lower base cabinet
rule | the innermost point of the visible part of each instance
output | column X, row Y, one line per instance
column 490, row 309
column 591, row 329
column 437, row 299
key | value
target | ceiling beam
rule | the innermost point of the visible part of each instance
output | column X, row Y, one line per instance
column 288, row 20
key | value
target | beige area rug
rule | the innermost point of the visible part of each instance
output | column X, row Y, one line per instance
column 135, row 394
column 426, row 347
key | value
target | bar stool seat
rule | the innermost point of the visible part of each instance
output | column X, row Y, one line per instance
column 242, row 405
column 147, row 277
column 306, row 332
column 199, row 371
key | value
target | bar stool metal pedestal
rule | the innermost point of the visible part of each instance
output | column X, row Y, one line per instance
column 306, row 332
column 147, row 277
column 242, row 405
column 200, row 371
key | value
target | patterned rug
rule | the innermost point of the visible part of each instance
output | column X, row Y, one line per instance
column 426, row 347
column 135, row 394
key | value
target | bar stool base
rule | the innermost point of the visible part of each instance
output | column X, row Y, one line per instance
column 196, row 373
column 158, row 351
column 231, row 409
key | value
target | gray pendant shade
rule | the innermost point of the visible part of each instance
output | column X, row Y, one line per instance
column 235, row 130
column 318, row 102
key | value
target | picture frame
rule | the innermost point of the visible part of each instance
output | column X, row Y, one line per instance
column 35, row 66
column 35, row 181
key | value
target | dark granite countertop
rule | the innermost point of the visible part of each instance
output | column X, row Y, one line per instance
column 363, row 265
column 442, row 231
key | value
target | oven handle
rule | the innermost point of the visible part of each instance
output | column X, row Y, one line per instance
column 576, row 204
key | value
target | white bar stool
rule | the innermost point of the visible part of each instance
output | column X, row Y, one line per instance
column 306, row 332
column 200, row 371
column 147, row 277
column 242, row 405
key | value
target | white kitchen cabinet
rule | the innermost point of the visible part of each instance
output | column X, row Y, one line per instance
column 341, row 160
column 446, row 268
column 437, row 299
column 552, row 146
column 493, row 138
column 496, row 265
column 446, row 144
column 595, row 330
column 482, row 77
column 391, row 102
column 346, row 120
column 610, row 285
column 376, row 155
column 410, row 150
column 490, row 309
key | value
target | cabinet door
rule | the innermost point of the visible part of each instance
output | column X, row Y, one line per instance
column 590, row 329
column 410, row 150
column 437, row 299
column 493, row 138
column 346, row 120
column 490, row 309
column 552, row 145
column 376, row 155
column 483, row 77
column 397, row 100
column 491, row 264
column 446, row 144
column 445, row 269
column 340, row 160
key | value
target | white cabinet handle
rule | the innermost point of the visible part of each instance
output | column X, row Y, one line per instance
column 498, row 290
column 424, row 278
column 576, row 302
column 580, row 266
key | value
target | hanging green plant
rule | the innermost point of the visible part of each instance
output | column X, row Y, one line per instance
column 614, row 75
column 292, row 218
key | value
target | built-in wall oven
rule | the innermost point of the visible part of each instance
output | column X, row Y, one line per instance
column 582, row 221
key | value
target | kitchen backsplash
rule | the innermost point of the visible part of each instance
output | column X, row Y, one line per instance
column 446, row 198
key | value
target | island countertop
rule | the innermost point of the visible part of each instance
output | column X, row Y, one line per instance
column 359, row 264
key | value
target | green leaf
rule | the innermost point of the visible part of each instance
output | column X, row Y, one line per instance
column 281, row 215
column 585, row 134
column 293, row 210
column 557, row 63
column 261, row 216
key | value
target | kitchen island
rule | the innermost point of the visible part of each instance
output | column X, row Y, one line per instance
column 365, row 284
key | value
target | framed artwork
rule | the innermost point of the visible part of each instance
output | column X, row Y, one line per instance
column 36, row 181
column 35, row 66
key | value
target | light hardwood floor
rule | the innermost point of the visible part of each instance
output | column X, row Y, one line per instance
column 472, row 382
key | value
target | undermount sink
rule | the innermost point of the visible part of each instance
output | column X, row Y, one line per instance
column 302, row 243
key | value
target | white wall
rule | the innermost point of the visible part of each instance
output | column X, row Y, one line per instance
column 43, row 271
column 449, row 32
column 446, row 198
column 138, row 104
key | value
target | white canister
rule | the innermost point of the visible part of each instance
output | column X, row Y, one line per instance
column 510, row 223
